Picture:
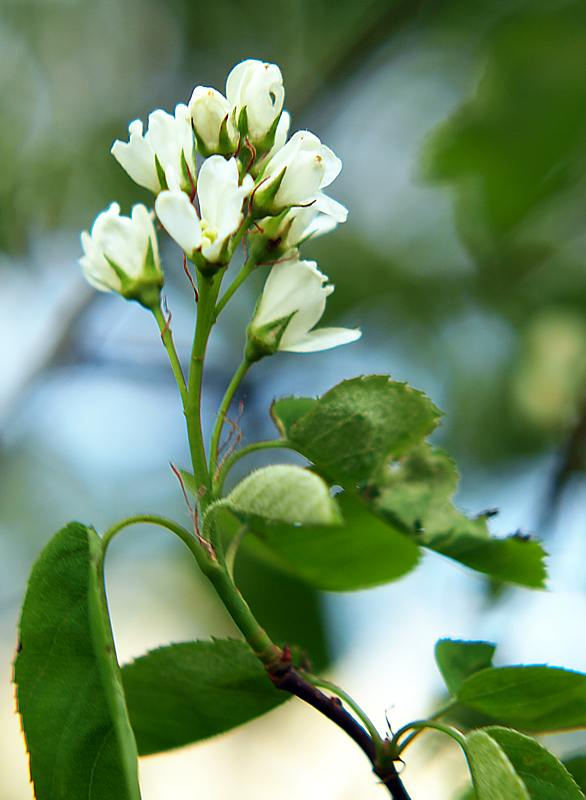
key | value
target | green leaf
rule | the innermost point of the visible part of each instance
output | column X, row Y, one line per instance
column 531, row 698
column 576, row 766
column 545, row 777
column 457, row 660
column 510, row 558
column 416, row 493
column 285, row 493
column 351, row 431
column 362, row 552
column 493, row 775
column 287, row 410
column 190, row 691
column 69, row 690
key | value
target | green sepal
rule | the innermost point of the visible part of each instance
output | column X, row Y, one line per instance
column 265, row 340
column 189, row 180
column 145, row 289
column 263, row 197
column 266, row 244
column 161, row 174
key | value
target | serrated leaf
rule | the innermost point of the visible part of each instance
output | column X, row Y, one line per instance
column 416, row 492
column 190, row 691
column 285, row 493
column 69, row 690
column 530, row 698
column 360, row 553
column 493, row 775
column 458, row 659
column 544, row 777
column 353, row 429
column 507, row 559
column 576, row 766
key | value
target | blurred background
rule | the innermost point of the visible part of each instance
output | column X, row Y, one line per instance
column 462, row 128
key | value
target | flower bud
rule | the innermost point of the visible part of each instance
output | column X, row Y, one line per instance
column 213, row 127
column 168, row 143
column 292, row 302
column 255, row 91
column 121, row 255
column 295, row 175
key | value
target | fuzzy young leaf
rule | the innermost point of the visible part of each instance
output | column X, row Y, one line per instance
column 493, row 775
column 187, row 692
column 285, row 493
column 457, row 660
column 68, row 683
column 361, row 552
column 545, row 777
column 531, row 698
column 355, row 428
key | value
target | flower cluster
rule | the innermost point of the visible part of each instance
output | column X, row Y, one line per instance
column 224, row 171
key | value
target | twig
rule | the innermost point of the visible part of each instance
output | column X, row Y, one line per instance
column 289, row 680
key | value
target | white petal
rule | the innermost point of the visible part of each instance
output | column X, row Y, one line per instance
column 179, row 219
column 331, row 207
column 142, row 218
column 220, row 196
column 333, row 166
column 236, row 78
column 293, row 287
column 137, row 157
column 323, row 339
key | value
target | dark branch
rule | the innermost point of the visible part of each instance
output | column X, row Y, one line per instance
column 287, row 678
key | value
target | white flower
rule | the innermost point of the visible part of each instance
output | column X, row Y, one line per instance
column 220, row 200
column 292, row 302
column 298, row 172
column 121, row 254
column 168, row 141
column 301, row 224
column 257, row 87
column 210, row 112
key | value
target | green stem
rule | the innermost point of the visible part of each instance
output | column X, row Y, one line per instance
column 209, row 287
column 226, row 466
column 182, row 533
column 421, row 725
column 245, row 271
column 435, row 716
column 223, row 411
column 322, row 683
column 167, row 339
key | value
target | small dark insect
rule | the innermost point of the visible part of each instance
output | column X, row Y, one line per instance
column 522, row 536
column 488, row 514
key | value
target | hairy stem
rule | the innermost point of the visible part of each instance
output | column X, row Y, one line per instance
column 223, row 411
